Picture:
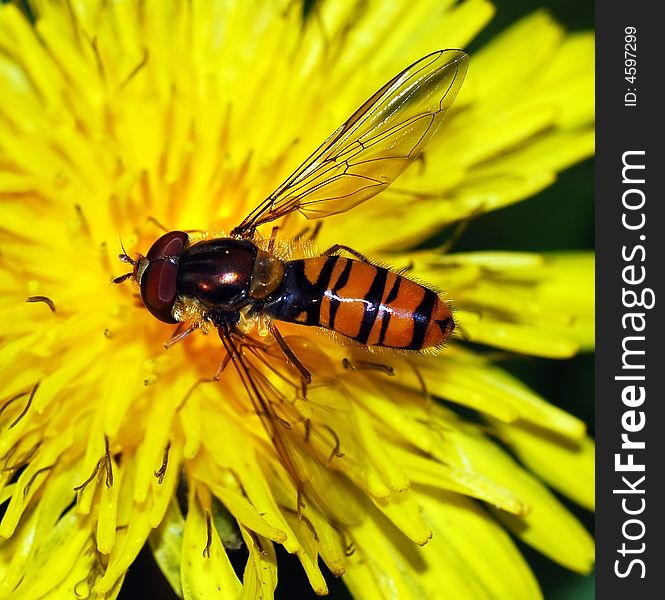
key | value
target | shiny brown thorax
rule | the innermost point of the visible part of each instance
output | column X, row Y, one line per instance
column 227, row 274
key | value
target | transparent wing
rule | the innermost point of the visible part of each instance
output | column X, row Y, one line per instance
column 368, row 152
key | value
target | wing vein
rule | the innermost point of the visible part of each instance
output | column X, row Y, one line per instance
column 381, row 139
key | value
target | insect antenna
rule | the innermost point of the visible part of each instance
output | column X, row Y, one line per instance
column 122, row 278
column 421, row 380
column 124, row 257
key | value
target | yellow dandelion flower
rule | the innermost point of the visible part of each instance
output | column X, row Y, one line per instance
column 391, row 470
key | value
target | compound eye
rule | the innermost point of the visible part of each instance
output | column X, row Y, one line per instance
column 158, row 289
column 170, row 245
column 159, row 279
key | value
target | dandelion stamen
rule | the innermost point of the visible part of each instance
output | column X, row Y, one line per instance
column 257, row 543
column 12, row 400
column 335, row 451
column 98, row 58
column 137, row 69
column 104, row 462
column 26, row 407
column 308, row 429
column 85, row 226
column 22, row 462
column 8, row 455
column 95, row 471
column 305, row 520
column 86, row 581
column 97, row 569
column 206, row 550
column 161, row 472
column 300, row 501
column 108, row 463
column 26, row 488
column 45, row 299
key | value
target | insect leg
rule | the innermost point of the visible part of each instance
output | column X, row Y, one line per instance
column 198, row 382
column 337, row 247
column 408, row 267
column 314, row 232
column 216, row 377
column 222, row 366
column 365, row 365
column 304, row 373
column 165, row 229
column 273, row 237
column 274, row 425
column 461, row 228
column 155, row 222
column 421, row 382
column 179, row 335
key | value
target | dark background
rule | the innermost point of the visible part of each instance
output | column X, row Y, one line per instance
column 559, row 218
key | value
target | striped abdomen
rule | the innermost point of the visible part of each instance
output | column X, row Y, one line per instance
column 369, row 304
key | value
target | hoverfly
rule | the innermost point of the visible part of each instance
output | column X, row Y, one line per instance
column 225, row 279
column 225, row 282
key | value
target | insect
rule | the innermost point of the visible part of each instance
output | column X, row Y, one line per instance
column 227, row 282
column 227, row 279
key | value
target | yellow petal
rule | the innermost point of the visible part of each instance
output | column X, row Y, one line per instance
column 518, row 338
column 166, row 545
column 547, row 525
column 260, row 577
column 206, row 571
column 565, row 464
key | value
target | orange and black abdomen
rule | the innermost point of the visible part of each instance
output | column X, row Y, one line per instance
column 367, row 303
